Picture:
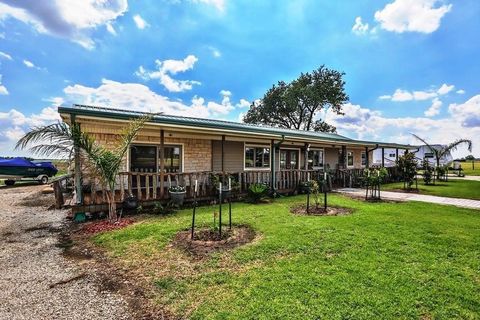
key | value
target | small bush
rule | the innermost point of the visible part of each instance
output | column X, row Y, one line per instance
column 257, row 192
column 427, row 172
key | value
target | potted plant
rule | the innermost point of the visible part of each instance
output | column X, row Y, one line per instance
column 177, row 194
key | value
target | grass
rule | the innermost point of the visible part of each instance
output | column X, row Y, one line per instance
column 468, row 168
column 454, row 188
column 385, row 261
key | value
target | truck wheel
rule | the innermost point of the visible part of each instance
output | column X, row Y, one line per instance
column 9, row 182
column 44, row 180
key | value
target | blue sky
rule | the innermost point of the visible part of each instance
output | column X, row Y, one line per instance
column 411, row 65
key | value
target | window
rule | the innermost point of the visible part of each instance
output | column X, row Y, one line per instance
column 143, row 158
column 364, row 158
column 350, row 159
column 428, row 155
column 288, row 159
column 172, row 159
column 392, row 155
column 257, row 157
column 315, row 159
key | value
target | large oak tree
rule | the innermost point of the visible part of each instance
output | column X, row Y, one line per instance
column 296, row 105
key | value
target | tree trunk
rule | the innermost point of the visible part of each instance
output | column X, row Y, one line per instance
column 112, row 206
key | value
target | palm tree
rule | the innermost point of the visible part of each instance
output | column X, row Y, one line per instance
column 104, row 163
column 442, row 150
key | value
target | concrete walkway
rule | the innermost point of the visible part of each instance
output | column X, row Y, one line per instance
column 400, row 196
column 472, row 178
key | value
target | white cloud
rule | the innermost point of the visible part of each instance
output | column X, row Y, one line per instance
column 111, row 29
column 445, row 88
column 359, row 27
column 401, row 95
column 140, row 22
column 219, row 4
column 461, row 91
column 3, row 89
column 167, row 68
column 215, row 52
column 463, row 121
column 28, row 63
column 434, row 108
column 72, row 20
column 5, row 56
column 243, row 104
column 412, row 15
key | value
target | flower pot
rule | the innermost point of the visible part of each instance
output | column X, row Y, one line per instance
column 177, row 197
column 130, row 203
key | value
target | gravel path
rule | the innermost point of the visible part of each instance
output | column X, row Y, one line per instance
column 33, row 267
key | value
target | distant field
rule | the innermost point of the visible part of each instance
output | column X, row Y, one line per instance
column 468, row 168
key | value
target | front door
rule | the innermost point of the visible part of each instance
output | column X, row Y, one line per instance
column 288, row 159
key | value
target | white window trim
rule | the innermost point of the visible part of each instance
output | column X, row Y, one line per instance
column 147, row 144
column 353, row 159
column 318, row 149
column 290, row 148
column 363, row 153
column 253, row 145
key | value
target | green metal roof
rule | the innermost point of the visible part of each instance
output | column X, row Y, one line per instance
column 112, row 113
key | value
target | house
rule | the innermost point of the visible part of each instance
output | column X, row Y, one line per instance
column 421, row 153
column 174, row 149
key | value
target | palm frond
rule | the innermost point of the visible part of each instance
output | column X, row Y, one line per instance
column 54, row 133
column 430, row 147
column 454, row 145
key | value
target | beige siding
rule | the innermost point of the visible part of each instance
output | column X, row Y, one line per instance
column 233, row 151
column 197, row 153
column 331, row 157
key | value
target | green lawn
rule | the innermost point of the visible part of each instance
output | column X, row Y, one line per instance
column 468, row 168
column 454, row 188
column 385, row 261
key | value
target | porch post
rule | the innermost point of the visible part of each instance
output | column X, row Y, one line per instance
column 272, row 163
column 223, row 153
column 78, row 171
column 162, row 162
column 367, row 164
column 306, row 156
column 344, row 157
column 383, row 157
column 396, row 155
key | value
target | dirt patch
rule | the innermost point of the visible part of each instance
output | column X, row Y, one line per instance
column 206, row 241
column 105, row 225
column 320, row 211
column 405, row 190
column 37, row 199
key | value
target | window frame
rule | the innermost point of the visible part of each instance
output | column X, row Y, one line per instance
column 363, row 156
column 353, row 158
column 323, row 158
column 255, row 146
column 157, row 147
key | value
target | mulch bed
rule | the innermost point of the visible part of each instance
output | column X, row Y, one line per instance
column 320, row 211
column 206, row 241
column 105, row 225
column 405, row 190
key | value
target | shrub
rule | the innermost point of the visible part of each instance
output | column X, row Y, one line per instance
column 257, row 192
column 427, row 172
column 158, row 208
column 407, row 165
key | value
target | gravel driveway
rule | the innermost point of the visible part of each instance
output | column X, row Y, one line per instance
column 36, row 280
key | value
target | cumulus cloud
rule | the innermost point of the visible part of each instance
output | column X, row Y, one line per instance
column 73, row 20
column 462, row 121
column 139, row 22
column 166, row 69
column 359, row 27
column 434, row 108
column 401, row 95
column 412, row 15
column 461, row 91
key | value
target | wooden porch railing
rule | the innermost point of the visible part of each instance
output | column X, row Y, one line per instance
column 149, row 186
